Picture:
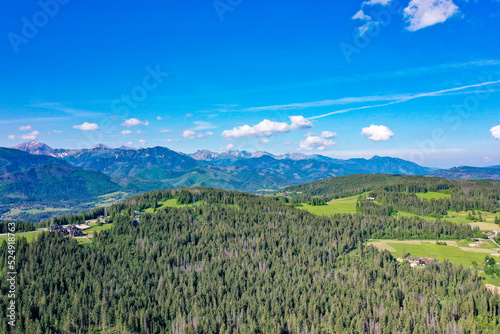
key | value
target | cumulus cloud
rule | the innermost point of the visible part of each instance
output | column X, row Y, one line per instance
column 424, row 13
column 134, row 122
column 190, row 134
column 163, row 131
column 377, row 132
column 328, row 134
column 25, row 128
column 361, row 16
column 267, row 128
column 315, row 142
column 27, row 136
column 495, row 132
column 87, row 126
column 127, row 132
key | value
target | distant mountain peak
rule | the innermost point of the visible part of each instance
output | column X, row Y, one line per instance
column 34, row 147
column 100, row 147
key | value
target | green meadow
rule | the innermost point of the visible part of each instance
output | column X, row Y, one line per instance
column 341, row 205
column 30, row 236
column 172, row 203
column 433, row 195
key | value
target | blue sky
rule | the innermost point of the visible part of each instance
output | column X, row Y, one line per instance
column 418, row 80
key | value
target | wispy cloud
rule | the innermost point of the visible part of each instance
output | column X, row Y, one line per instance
column 25, row 128
column 202, row 125
column 66, row 109
column 189, row 134
column 409, row 97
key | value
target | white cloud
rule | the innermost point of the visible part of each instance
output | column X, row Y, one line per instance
column 142, row 141
column 229, row 147
column 377, row 2
column 25, row 128
column 87, row 127
column 328, row 134
column 30, row 136
column 202, row 125
column 56, row 131
column 361, row 16
column 377, row 132
column 267, row 128
column 163, row 131
column 126, row 132
column 134, row 122
column 159, row 118
column 27, row 136
column 424, row 13
column 262, row 141
column 495, row 132
column 190, row 134
column 314, row 142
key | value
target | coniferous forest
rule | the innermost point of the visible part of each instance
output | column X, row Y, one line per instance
column 229, row 262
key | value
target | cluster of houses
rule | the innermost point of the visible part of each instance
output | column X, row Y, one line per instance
column 417, row 262
column 66, row 230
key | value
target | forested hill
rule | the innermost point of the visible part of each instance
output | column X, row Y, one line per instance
column 355, row 184
column 228, row 262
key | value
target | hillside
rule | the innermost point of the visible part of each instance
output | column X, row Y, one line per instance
column 236, row 262
column 469, row 173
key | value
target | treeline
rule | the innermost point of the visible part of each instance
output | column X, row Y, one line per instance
column 242, row 264
column 21, row 226
column 399, row 192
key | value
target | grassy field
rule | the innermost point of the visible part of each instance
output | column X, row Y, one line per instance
column 433, row 195
column 341, row 205
column 457, row 252
column 99, row 228
column 172, row 203
column 30, row 236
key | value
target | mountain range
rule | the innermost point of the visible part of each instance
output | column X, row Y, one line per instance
column 33, row 172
